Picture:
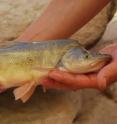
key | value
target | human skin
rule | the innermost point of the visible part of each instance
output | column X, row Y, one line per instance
column 61, row 19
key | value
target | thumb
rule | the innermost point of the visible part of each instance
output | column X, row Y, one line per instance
column 107, row 75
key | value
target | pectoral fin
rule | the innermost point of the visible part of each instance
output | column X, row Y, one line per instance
column 24, row 92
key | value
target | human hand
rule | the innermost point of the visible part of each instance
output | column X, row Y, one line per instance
column 62, row 80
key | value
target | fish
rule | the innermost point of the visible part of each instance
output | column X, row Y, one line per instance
column 23, row 64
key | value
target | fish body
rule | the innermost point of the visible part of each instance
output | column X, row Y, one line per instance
column 23, row 64
column 21, row 60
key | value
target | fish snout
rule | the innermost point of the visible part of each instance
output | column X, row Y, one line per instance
column 81, row 61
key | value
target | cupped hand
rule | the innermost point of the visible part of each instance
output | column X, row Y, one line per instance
column 67, row 81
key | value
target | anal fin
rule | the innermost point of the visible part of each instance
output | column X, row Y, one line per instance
column 25, row 91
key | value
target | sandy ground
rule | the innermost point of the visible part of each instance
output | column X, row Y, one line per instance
column 54, row 107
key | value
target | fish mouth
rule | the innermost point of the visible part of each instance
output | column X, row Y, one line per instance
column 100, row 62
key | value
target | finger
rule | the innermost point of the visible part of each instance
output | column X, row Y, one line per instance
column 52, row 84
column 78, row 81
column 107, row 75
column 61, row 76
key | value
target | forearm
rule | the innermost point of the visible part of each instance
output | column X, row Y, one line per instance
column 62, row 18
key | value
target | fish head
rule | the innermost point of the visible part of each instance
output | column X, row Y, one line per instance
column 79, row 60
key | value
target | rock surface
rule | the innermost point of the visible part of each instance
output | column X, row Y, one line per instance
column 101, row 111
column 111, row 29
column 43, row 108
